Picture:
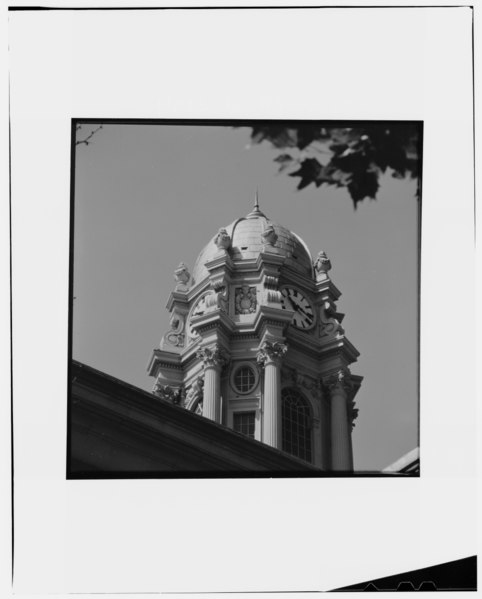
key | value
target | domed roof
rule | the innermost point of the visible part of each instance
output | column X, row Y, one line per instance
column 247, row 243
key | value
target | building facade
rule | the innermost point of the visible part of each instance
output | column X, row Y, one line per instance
column 256, row 344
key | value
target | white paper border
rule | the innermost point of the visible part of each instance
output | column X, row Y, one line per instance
column 81, row 536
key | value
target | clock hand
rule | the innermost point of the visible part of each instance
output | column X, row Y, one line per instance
column 290, row 302
column 300, row 309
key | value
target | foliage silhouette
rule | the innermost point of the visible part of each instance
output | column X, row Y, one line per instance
column 345, row 156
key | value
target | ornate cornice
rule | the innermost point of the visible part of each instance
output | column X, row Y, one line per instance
column 212, row 356
column 271, row 351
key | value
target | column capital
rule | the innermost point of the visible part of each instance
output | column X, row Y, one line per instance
column 340, row 381
column 213, row 356
column 271, row 352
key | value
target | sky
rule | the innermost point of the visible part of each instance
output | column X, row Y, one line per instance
column 150, row 196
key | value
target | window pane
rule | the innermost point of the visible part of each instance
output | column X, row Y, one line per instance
column 243, row 422
column 244, row 379
column 296, row 425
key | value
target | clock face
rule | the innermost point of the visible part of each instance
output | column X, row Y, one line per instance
column 292, row 299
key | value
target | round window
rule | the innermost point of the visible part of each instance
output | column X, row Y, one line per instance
column 244, row 379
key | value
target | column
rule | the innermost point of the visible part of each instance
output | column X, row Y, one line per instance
column 269, row 356
column 341, row 452
column 214, row 361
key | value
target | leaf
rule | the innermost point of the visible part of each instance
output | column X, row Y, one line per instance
column 284, row 161
column 363, row 185
column 309, row 171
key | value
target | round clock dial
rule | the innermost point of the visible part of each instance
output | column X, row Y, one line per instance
column 292, row 299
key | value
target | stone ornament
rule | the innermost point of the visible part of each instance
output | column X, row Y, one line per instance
column 168, row 393
column 245, row 300
column 271, row 282
column 176, row 335
column 322, row 264
column 217, row 300
column 182, row 277
column 222, row 239
column 329, row 324
column 269, row 235
column 271, row 352
column 194, row 394
column 212, row 356
column 352, row 413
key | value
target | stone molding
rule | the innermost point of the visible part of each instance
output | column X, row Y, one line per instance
column 213, row 356
column 271, row 351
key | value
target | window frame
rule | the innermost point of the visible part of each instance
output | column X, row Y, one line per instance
column 308, row 427
column 236, row 368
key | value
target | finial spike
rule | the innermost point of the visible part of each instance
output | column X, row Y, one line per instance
column 255, row 212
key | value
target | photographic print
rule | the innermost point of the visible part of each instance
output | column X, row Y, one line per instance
column 233, row 290
column 244, row 298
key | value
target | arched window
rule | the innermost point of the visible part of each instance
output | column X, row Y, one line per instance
column 296, row 424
